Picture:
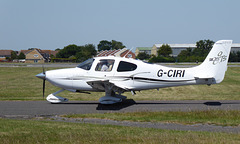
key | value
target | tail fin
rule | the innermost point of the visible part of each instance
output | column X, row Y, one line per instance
column 215, row 65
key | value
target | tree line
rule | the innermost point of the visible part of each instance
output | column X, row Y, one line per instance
column 198, row 54
column 77, row 53
column 80, row 53
column 15, row 56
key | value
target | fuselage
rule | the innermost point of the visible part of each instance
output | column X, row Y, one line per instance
column 116, row 75
column 126, row 73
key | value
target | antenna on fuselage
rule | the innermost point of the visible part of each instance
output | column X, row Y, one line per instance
column 128, row 52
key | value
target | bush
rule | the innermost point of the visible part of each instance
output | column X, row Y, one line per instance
column 191, row 59
column 155, row 59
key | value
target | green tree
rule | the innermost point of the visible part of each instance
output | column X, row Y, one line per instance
column 68, row 51
column 57, row 49
column 155, row 59
column 203, row 47
column 104, row 45
column 117, row 45
column 143, row 56
column 21, row 56
column 165, row 50
column 13, row 55
column 86, row 52
column 78, row 53
column 91, row 48
column 184, row 54
column 110, row 45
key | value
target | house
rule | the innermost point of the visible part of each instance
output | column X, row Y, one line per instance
column 49, row 52
column 34, row 56
column 4, row 54
column 39, row 56
column 24, row 52
column 118, row 53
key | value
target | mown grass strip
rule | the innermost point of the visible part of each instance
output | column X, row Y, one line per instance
column 20, row 83
column 30, row 131
column 217, row 117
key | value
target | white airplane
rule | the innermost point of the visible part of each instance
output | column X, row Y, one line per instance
column 117, row 75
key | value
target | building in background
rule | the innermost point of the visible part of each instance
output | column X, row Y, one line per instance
column 176, row 48
column 4, row 54
column 235, row 47
column 146, row 50
column 39, row 56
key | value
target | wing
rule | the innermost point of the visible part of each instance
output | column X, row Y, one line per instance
column 106, row 85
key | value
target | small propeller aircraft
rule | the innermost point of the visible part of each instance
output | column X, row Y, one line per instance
column 116, row 75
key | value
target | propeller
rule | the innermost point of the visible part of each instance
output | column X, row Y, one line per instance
column 44, row 81
column 43, row 77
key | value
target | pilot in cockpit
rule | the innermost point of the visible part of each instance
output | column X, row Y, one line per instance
column 104, row 66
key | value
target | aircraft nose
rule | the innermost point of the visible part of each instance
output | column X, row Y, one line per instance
column 41, row 76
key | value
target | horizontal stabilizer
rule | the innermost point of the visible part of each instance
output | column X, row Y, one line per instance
column 207, row 80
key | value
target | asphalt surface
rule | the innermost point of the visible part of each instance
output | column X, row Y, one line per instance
column 45, row 111
column 43, row 108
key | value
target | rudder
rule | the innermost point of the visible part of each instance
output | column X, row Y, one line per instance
column 215, row 64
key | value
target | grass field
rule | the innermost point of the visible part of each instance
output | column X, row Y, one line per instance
column 20, row 83
column 30, row 131
column 216, row 117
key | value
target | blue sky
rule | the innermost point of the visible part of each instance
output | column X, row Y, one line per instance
column 51, row 24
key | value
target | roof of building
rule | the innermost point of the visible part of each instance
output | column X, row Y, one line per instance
column 5, row 52
column 24, row 51
column 108, row 52
column 236, row 45
column 42, row 52
column 178, row 45
column 50, row 52
column 118, row 52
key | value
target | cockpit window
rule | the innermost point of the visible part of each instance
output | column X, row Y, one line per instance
column 105, row 65
column 126, row 66
column 86, row 65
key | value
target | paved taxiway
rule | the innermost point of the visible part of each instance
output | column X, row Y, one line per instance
column 42, row 110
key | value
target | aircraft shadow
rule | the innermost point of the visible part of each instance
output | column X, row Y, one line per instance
column 130, row 102
column 116, row 106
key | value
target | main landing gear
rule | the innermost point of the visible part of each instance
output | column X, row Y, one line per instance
column 110, row 96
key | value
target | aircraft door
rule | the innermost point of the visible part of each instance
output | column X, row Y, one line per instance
column 104, row 68
column 126, row 71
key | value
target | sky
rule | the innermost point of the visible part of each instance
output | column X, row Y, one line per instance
column 52, row 24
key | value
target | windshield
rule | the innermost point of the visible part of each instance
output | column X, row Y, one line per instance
column 86, row 64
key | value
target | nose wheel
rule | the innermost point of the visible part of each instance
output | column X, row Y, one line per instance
column 53, row 98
